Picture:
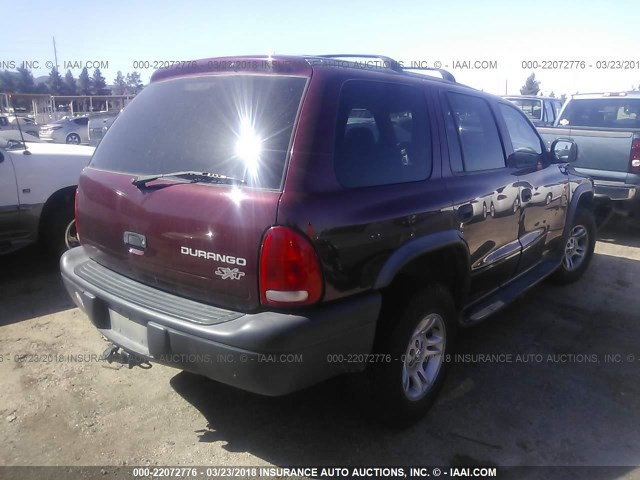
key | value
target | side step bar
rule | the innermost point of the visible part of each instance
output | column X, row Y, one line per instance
column 495, row 302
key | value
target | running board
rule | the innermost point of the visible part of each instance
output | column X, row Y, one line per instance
column 495, row 302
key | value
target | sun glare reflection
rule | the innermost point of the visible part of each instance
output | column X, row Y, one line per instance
column 249, row 147
column 236, row 195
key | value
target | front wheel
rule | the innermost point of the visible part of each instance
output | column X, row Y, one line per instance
column 578, row 249
column 61, row 234
column 404, row 389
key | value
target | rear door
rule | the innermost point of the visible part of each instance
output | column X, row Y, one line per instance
column 543, row 189
column 484, row 189
column 200, row 240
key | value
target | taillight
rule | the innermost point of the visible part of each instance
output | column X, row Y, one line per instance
column 75, row 214
column 634, row 159
column 290, row 271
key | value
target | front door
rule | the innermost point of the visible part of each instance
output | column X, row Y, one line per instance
column 484, row 190
column 543, row 190
column 9, row 206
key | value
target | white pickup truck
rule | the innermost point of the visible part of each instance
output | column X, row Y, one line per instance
column 37, row 188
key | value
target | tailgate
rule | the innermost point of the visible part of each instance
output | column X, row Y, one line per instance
column 602, row 150
column 200, row 241
column 197, row 237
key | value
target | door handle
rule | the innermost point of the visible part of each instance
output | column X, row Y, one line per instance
column 526, row 195
column 465, row 212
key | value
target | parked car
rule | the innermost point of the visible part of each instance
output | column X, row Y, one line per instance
column 73, row 130
column 10, row 122
column 542, row 111
column 274, row 234
column 99, row 123
column 37, row 187
column 606, row 128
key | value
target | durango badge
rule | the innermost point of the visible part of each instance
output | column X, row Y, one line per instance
column 229, row 273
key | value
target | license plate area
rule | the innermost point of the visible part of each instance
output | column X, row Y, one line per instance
column 134, row 332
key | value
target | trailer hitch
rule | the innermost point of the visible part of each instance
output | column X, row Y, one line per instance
column 114, row 353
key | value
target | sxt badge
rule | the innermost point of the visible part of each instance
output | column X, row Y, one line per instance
column 229, row 273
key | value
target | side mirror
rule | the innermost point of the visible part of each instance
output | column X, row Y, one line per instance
column 563, row 150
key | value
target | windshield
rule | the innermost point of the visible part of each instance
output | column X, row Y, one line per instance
column 239, row 126
column 602, row 112
column 531, row 107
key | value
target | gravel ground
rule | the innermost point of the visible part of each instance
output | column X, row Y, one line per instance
column 541, row 408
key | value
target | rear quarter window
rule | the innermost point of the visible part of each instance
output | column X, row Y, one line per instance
column 382, row 135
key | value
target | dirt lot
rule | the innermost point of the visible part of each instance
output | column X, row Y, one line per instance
column 578, row 409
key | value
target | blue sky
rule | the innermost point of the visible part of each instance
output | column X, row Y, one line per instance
column 121, row 32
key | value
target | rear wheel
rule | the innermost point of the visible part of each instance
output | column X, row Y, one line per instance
column 404, row 388
column 578, row 249
column 73, row 138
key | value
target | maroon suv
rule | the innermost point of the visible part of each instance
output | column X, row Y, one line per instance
column 271, row 222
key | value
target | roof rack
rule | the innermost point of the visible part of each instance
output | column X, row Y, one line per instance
column 446, row 75
column 393, row 65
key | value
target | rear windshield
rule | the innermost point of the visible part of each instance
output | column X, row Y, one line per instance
column 236, row 125
column 602, row 112
column 532, row 108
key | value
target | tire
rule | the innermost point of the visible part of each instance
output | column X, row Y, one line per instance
column 493, row 210
column 578, row 249
column 60, row 234
column 400, row 394
column 484, row 210
column 73, row 138
column 548, row 199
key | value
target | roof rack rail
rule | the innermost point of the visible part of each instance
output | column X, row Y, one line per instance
column 392, row 64
column 446, row 75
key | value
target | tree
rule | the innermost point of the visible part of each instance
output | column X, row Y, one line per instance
column 8, row 81
column 56, row 85
column 552, row 95
column 531, row 86
column 25, row 83
column 98, row 84
column 563, row 97
column 70, row 85
column 134, row 84
column 120, row 84
column 84, row 82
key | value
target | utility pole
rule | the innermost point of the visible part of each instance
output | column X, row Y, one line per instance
column 55, row 53
column 506, row 90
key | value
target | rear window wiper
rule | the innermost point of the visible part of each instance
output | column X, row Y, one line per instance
column 192, row 176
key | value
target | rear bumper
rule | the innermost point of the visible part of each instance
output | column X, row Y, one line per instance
column 615, row 191
column 271, row 353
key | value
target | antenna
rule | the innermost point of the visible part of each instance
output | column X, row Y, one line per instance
column 55, row 52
